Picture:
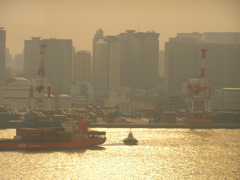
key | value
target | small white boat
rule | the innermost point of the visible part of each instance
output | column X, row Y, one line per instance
column 130, row 140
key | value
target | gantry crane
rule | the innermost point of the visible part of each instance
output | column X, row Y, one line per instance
column 40, row 83
column 199, row 96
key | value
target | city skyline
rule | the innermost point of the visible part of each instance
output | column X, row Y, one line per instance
column 78, row 20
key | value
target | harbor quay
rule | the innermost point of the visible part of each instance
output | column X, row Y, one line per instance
column 128, row 123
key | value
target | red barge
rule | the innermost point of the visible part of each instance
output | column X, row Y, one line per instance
column 72, row 134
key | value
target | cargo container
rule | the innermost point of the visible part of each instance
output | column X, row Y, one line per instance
column 59, row 118
column 28, row 132
column 64, row 136
column 59, row 128
column 49, row 134
column 44, row 118
column 31, row 137
column 31, row 117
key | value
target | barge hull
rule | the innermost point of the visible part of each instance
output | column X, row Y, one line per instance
column 74, row 143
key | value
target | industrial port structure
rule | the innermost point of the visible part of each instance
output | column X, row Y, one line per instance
column 199, row 96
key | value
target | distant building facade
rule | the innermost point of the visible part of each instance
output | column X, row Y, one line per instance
column 221, row 37
column 161, row 63
column 58, row 64
column 227, row 98
column 31, row 57
column 122, row 99
column 105, row 67
column 82, row 93
column 82, row 67
column 63, row 101
column 183, row 62
column 19, row 60
column 15, row 92
column 2, row 53
column 139, row 59
column 129, row 59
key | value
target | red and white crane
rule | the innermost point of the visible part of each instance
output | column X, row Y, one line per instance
column 199, row 96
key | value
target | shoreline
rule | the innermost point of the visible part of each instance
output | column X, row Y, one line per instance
column 13, row 125
column 160, row 125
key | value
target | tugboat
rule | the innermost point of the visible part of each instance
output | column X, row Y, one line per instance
column 130, row 140
column 73, row 134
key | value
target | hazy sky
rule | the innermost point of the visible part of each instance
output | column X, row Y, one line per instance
column 79, row 19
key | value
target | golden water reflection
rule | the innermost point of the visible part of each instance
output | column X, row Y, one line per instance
column 161, row 154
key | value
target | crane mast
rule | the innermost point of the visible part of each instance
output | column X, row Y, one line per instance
column 40, row 84
column 199, row 96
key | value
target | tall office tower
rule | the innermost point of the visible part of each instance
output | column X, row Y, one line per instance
column 2, row 53
column 31, row 57
column 145, row 60
column 98, row 35
column 19, row 59
column 58, row 64
column 114, row 62
column 82, row 67
column 105, row 70
column 183, row 58
column 126, row 56
column 180, row 63
column 161, row 63
column 139, row 59
column 100, row 65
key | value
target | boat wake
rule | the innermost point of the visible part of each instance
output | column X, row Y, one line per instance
column 114, row 144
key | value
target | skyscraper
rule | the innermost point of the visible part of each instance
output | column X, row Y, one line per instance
column 126, row 55
column 58, row 64
column 139, row 59
column 31, row 57
column 105, row 74
column 82, row 67
column 2, row 53
column 145, row 60
column 129, row 59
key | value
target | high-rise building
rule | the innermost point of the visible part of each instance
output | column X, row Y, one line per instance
column 19, row 60
column 31, row 57
column 129, row 59
column 126, row 55
column 82, row 67
column 139, row 59
column 100, row 67
column 145, row 59
column 58, row 64
column 183, row 58
column 2, row 53
column 105, row 74
column 98, row 35
column 114, row 62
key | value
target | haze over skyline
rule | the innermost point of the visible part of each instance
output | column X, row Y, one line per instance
column 79, row 20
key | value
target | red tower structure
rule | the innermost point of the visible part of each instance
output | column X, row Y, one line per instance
column 199, row 96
